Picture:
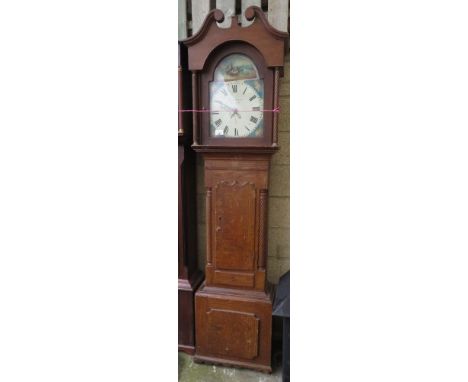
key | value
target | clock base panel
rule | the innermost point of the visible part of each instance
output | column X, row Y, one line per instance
column 234, row 327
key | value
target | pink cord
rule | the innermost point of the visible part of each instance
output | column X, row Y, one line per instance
column 275, row 110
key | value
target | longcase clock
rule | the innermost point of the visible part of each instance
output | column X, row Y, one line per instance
column 235, row 81
column 189, row 275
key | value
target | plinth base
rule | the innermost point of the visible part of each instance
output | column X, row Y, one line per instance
column 187, row 290
column 233, row 327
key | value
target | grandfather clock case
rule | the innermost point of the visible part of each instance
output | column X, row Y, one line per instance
column 189, row 275
column 235, row 83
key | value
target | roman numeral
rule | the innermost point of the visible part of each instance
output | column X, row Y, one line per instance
column 252, row 98
column 253, row 119
column 236, row 133
column 256, row 108
column 244, row 91
column 234, row 88
column 218, row 122
column 247, row 128
column 226, row 129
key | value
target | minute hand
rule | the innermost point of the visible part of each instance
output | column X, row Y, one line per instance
column 224, row 105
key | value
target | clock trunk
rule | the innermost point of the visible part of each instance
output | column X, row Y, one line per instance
column 233, row 306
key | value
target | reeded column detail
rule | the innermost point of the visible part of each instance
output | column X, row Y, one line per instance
column 208, row 226
column 262, row 233
column 195, row 107
column 276, row 106
column 181, row 103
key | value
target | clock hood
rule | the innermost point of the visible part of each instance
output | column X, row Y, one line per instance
column 269, row 41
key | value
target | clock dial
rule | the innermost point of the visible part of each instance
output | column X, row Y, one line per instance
column 236, row 109
column 236, row 99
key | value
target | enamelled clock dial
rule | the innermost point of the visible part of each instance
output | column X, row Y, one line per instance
column 236, row 99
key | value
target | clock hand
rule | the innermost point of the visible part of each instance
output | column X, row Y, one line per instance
column 224, row 105
column 235, row 112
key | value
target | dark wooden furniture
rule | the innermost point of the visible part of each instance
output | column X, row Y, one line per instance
column 235, row 77
column 189, row 275
column 281, row 309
